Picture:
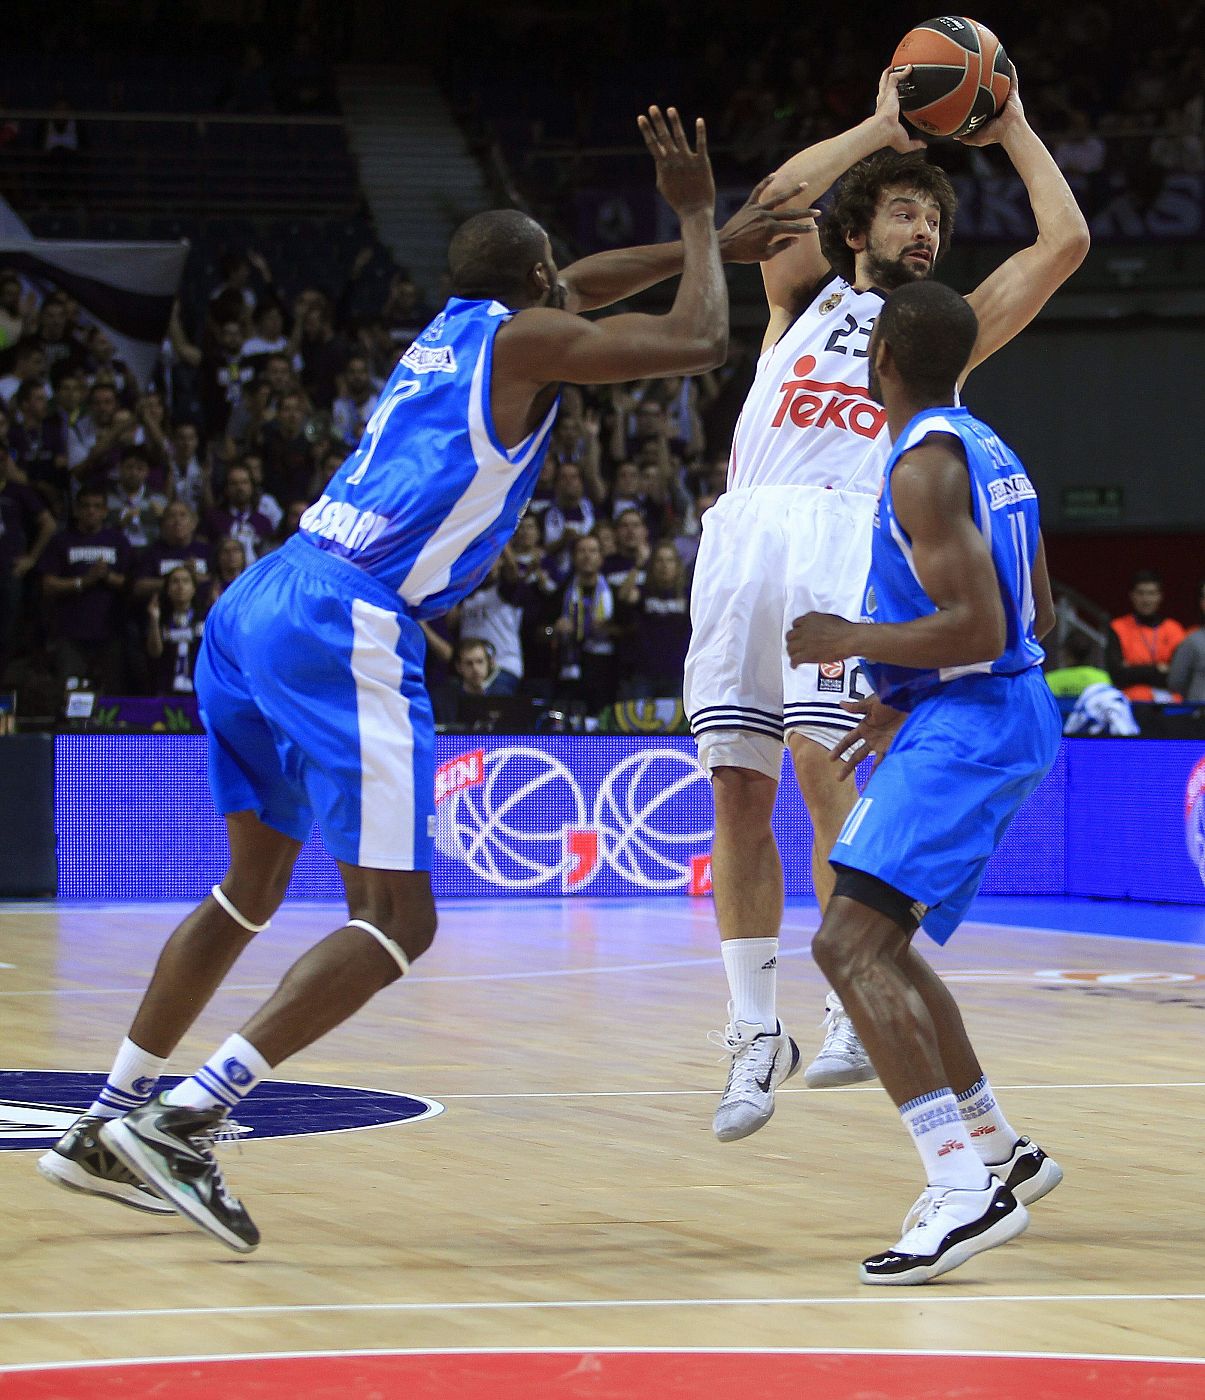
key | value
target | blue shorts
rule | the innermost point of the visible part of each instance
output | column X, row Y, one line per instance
column 938, row 805
column 310, row 683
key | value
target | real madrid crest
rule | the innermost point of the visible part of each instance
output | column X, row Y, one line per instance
column 830, row 303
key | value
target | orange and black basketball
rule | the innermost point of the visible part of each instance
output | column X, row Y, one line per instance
column 960, row 75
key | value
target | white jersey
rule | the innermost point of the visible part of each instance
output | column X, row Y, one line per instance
column 809, row 419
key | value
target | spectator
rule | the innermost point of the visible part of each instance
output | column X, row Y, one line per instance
column 83, row 573
column 234, row 268
column 354, row 407
column 585, row 632
column 187, row 479
column 237, row 517
column 150, row 413
column 1078, row 670
column 93, row 442
column 54, row 331
column 478, row 670
column 133, row 509
column 225, row 374
column 26, row 527
column 657, row 617
column 176, row 546
column 103, row 365
column 632, row 551
column 228, row 559
column 323, row 353
column 405, row 314
column 16, row 309
column 174, row 624
column 38, row 439
column 288, row 464
column 70, row 391
column 28, row 362
column 571, row 514
column 1141, row 644
column 493, row 612
column 269, row 337
column 1187, row 672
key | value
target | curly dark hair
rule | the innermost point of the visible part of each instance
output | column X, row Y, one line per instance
column 858, row 197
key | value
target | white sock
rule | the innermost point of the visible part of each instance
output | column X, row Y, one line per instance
column 992, row 1136
column 752, row 968
column 225, row 1079
column 943, row 1142
column 131, row 1081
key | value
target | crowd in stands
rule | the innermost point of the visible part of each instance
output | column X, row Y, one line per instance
column 1122, row 108
column 125, row 511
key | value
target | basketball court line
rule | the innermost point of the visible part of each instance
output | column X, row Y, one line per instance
column 892, row 1298
column 836, row 1089
column 600, row 1351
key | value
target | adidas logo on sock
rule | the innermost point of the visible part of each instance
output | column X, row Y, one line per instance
column 769, row 966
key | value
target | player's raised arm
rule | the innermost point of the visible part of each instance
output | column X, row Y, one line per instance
column 818, row 167
column 1014, row 294
column 543, row 345
column 754, row 233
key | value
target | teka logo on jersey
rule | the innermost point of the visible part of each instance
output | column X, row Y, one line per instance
column 519, row 818
column 37, row 1106
column 1194, row 816
column 810, row 403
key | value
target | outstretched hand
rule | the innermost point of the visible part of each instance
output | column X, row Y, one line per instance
column 756, row 232
column 873, row 735
column 683, row 176
column 887, row 111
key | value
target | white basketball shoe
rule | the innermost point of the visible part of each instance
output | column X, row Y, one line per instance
column 842, row 1058
column 761, row 1061
column 945, row 1228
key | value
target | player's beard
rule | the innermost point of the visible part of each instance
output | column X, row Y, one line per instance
column 889, row 273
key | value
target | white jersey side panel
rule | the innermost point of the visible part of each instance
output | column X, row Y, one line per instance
column 809, row 419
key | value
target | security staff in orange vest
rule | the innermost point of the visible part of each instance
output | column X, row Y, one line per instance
column 1141, row 644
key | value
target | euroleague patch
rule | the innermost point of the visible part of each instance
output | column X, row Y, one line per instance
column 832, row 676
column 38, row 1106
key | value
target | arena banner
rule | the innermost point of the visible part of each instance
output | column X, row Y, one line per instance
column 614, row 815
column 990, row 210
column 125, row 288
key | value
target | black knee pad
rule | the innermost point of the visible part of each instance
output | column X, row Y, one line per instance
column 877, row 894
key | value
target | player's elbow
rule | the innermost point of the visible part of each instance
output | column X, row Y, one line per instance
column 1072, row 247
column 709, row 352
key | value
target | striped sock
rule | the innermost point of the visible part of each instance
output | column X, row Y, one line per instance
column 942, row 1139
column 991, row 1133
column 225, row 1079
column 130, row 1084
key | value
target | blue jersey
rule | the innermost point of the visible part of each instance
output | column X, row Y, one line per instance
column 429, row 498
column 1005, row 508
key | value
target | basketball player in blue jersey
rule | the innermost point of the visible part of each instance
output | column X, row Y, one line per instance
column 965, row 728
column 310, row 678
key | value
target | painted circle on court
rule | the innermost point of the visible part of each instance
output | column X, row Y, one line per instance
column 38, row 1106
column 619, row 1375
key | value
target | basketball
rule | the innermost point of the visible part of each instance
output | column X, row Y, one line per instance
column 960, row 75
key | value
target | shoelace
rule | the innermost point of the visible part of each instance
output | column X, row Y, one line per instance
column 923, row 1209
column 748, row 1057
column 841, row 1036
column 223, row 1132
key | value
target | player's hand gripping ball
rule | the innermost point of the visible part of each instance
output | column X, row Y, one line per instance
column 960, row 76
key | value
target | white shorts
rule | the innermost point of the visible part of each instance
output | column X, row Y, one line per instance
column 768, row 555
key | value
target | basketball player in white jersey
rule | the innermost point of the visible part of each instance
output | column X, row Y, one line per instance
column 792, row 535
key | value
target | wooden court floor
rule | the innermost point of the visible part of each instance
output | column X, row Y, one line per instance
column 571, row 1195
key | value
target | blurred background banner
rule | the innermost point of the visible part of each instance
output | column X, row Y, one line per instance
column 127, row 289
